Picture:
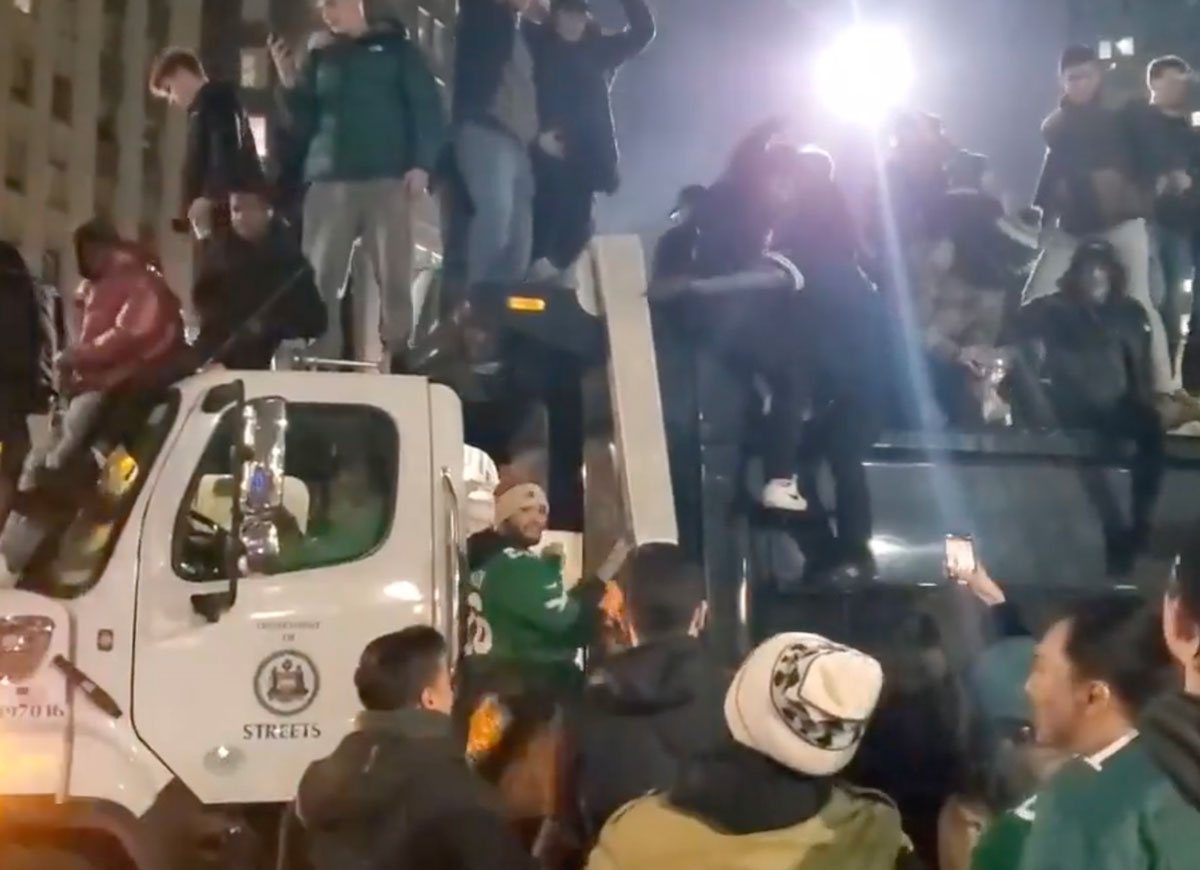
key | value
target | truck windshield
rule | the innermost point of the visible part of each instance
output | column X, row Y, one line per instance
column 77, row 558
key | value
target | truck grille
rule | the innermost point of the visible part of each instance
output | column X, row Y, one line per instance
column 24, row 641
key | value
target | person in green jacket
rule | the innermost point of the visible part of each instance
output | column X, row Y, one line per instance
column 367, row 124
column 524, row 627
column 1110, row 807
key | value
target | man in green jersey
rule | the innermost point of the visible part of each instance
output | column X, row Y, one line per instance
column 1110, row 807
column 524, row 627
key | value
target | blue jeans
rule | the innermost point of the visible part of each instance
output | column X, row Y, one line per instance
column 498, row 176
column 1171, row 267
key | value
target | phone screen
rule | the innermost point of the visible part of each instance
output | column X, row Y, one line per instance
column 960, row 556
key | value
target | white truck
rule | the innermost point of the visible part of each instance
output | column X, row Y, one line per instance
column 160, row 696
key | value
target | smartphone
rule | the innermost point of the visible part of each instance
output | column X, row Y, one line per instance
column 960, row 557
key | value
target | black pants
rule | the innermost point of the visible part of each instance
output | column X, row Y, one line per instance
column 563, row 207
column 842, row 433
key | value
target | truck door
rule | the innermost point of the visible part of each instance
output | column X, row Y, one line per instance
column 237, row 707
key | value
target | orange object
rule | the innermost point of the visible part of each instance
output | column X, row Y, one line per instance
column 486, row 727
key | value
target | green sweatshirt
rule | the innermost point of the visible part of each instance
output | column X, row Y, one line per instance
column 1003, row 843
column 1118, row 812
column 520, row 613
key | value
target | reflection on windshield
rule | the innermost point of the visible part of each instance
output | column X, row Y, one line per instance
column 103, row 508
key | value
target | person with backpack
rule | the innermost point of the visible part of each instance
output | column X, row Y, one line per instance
column 397, row 791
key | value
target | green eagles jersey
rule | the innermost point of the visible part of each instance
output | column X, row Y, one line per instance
column 520, row 612
column 1121, row 813
column 1003, row 842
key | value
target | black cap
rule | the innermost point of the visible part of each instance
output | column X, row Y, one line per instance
column 1076, row 55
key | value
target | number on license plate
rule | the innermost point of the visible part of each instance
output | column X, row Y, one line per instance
column 32, row 711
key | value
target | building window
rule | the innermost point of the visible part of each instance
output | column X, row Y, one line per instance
column 256, row 10
column 254, row 67
column 61, row 99
column 1105, row 49
column 339, row 491
column 1125, row 46
column 59, row 198
column 16, row 166
column 258, row 128
column 22, row 81
column 440, row 54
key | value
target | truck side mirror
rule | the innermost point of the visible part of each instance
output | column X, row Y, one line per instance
column 257, row 460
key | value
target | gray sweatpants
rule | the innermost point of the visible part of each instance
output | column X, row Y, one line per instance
column 1131, row 240
column 379, row 213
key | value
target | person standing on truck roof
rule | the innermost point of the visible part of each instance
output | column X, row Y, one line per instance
column 524, row 627
column 495, row 117
column 1110, row 807
column 397, row 791
column 367, row 126
column 221, row 152
column 576, row 156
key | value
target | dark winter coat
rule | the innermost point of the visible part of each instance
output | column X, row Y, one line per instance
column 1170, row 727
column 259, row 295
column 574, row 82
column 364, row 108
column 1179, row 145
column 221, row 153
column 646, row 713
column 1100, row 168
column 1095, row 357
column 24, row 372
column 397, row 793
column 484, row 40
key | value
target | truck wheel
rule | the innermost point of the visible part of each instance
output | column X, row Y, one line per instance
column 42, row 858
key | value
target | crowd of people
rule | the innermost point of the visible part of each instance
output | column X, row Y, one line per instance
column 1083, row 744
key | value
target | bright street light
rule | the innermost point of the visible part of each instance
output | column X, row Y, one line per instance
column 865, row 74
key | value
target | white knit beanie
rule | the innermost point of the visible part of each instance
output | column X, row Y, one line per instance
column 804, row 701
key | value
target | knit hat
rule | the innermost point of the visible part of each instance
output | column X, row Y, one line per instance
column 513, row 496
column 804, row 701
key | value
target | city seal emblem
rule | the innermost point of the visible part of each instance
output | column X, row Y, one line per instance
column 286, row 683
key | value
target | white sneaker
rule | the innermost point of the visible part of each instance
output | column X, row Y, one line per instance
column 782, row 494
column 542, row 272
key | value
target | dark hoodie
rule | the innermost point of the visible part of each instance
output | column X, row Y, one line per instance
column 221, row 152
column 1171, row 728
column 397, row 792
column 646, row 712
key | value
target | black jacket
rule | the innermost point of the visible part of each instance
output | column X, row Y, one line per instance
column 483, row 45
column 258, row 295
column 1171, row 727
column 646, row 712
column 574, row 81
column 1096, row 358
column 221, row 154
column 397, row 793
column 27, row 351
column 1179, row 144
column 1100, row 168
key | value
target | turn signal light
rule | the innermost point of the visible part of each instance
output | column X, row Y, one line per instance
column 526, row 304
column 24, row 642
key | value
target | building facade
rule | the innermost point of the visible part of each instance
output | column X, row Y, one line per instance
column 79, row 133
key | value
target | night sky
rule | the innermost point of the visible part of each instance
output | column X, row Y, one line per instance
column 987, row 67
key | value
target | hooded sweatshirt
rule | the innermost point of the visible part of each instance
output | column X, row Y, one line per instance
column 738, row 810
column 646, row 712
column 397, row 792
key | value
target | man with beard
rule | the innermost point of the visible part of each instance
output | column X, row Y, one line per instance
column 524, row 627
